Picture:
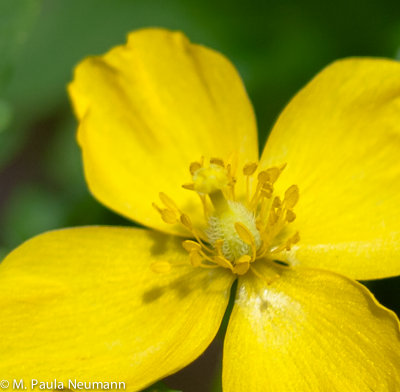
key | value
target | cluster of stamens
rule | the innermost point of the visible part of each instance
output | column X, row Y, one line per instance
column 238, row 231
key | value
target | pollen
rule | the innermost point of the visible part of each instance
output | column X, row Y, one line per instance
column 238, row 231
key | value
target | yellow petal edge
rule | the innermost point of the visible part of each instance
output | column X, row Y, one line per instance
column 340, row 138
column 84, row 304
column 309, row 330
column 148, row 109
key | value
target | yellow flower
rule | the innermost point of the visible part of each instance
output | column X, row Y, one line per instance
column 134, row 305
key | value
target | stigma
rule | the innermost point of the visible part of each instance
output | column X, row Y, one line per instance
column 238, row 231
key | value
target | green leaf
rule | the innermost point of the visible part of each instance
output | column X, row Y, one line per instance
column 31, row 210
column 16, row 20
column 5, row 114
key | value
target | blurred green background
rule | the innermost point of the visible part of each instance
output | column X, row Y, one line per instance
column 276, row 45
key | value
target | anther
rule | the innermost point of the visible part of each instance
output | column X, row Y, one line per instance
column 273, row 217
column 194, row 166
column 290, row 216
column 244, row 233
column 249, row 168
column 185, row 220
column 295, row 238
column 217, row 161
column 167, row 201
column 191, row 246
column 291, row 196
column 246, row 236
column 273, row 173
column 242, row 265
column 195, row 258
column 223, row 262
column 169, row 216
column 238, row 233
column 218, row 246
column 276, row 202
column 189, row 186
column 267, row 190
column 263, row 177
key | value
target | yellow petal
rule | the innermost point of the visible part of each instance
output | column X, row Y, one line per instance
column 340, row 138
column 309, row 330
column 148, row 109
column 85, row 304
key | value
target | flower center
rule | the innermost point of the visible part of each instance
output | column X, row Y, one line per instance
column 238, row 232
column 222, row 226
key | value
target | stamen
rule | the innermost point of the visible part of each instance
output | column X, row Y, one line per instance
column 273, row 174
column 247, row 237
column 169, row 216
column 288, row 244
column 244, row 233
column 187, row 223
column 266, row 179
column 185, row 220
column 296, row 238
column 273, row 217
column 155, row 206
column 237, row 233
column 195, row 258
column 168, row 202
column 248, row 171
column 190, row 245
column 233, row 163
column 194, row 166
column 249, row 168
column 267, row 190
column 171, row 212
column 242, row 265
column 217, row 161
column 290, row 216
column 189, row 187
column 218, row 246
column 291, row 196
column 232, row 181
column 223, row 262
column 276, row 202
